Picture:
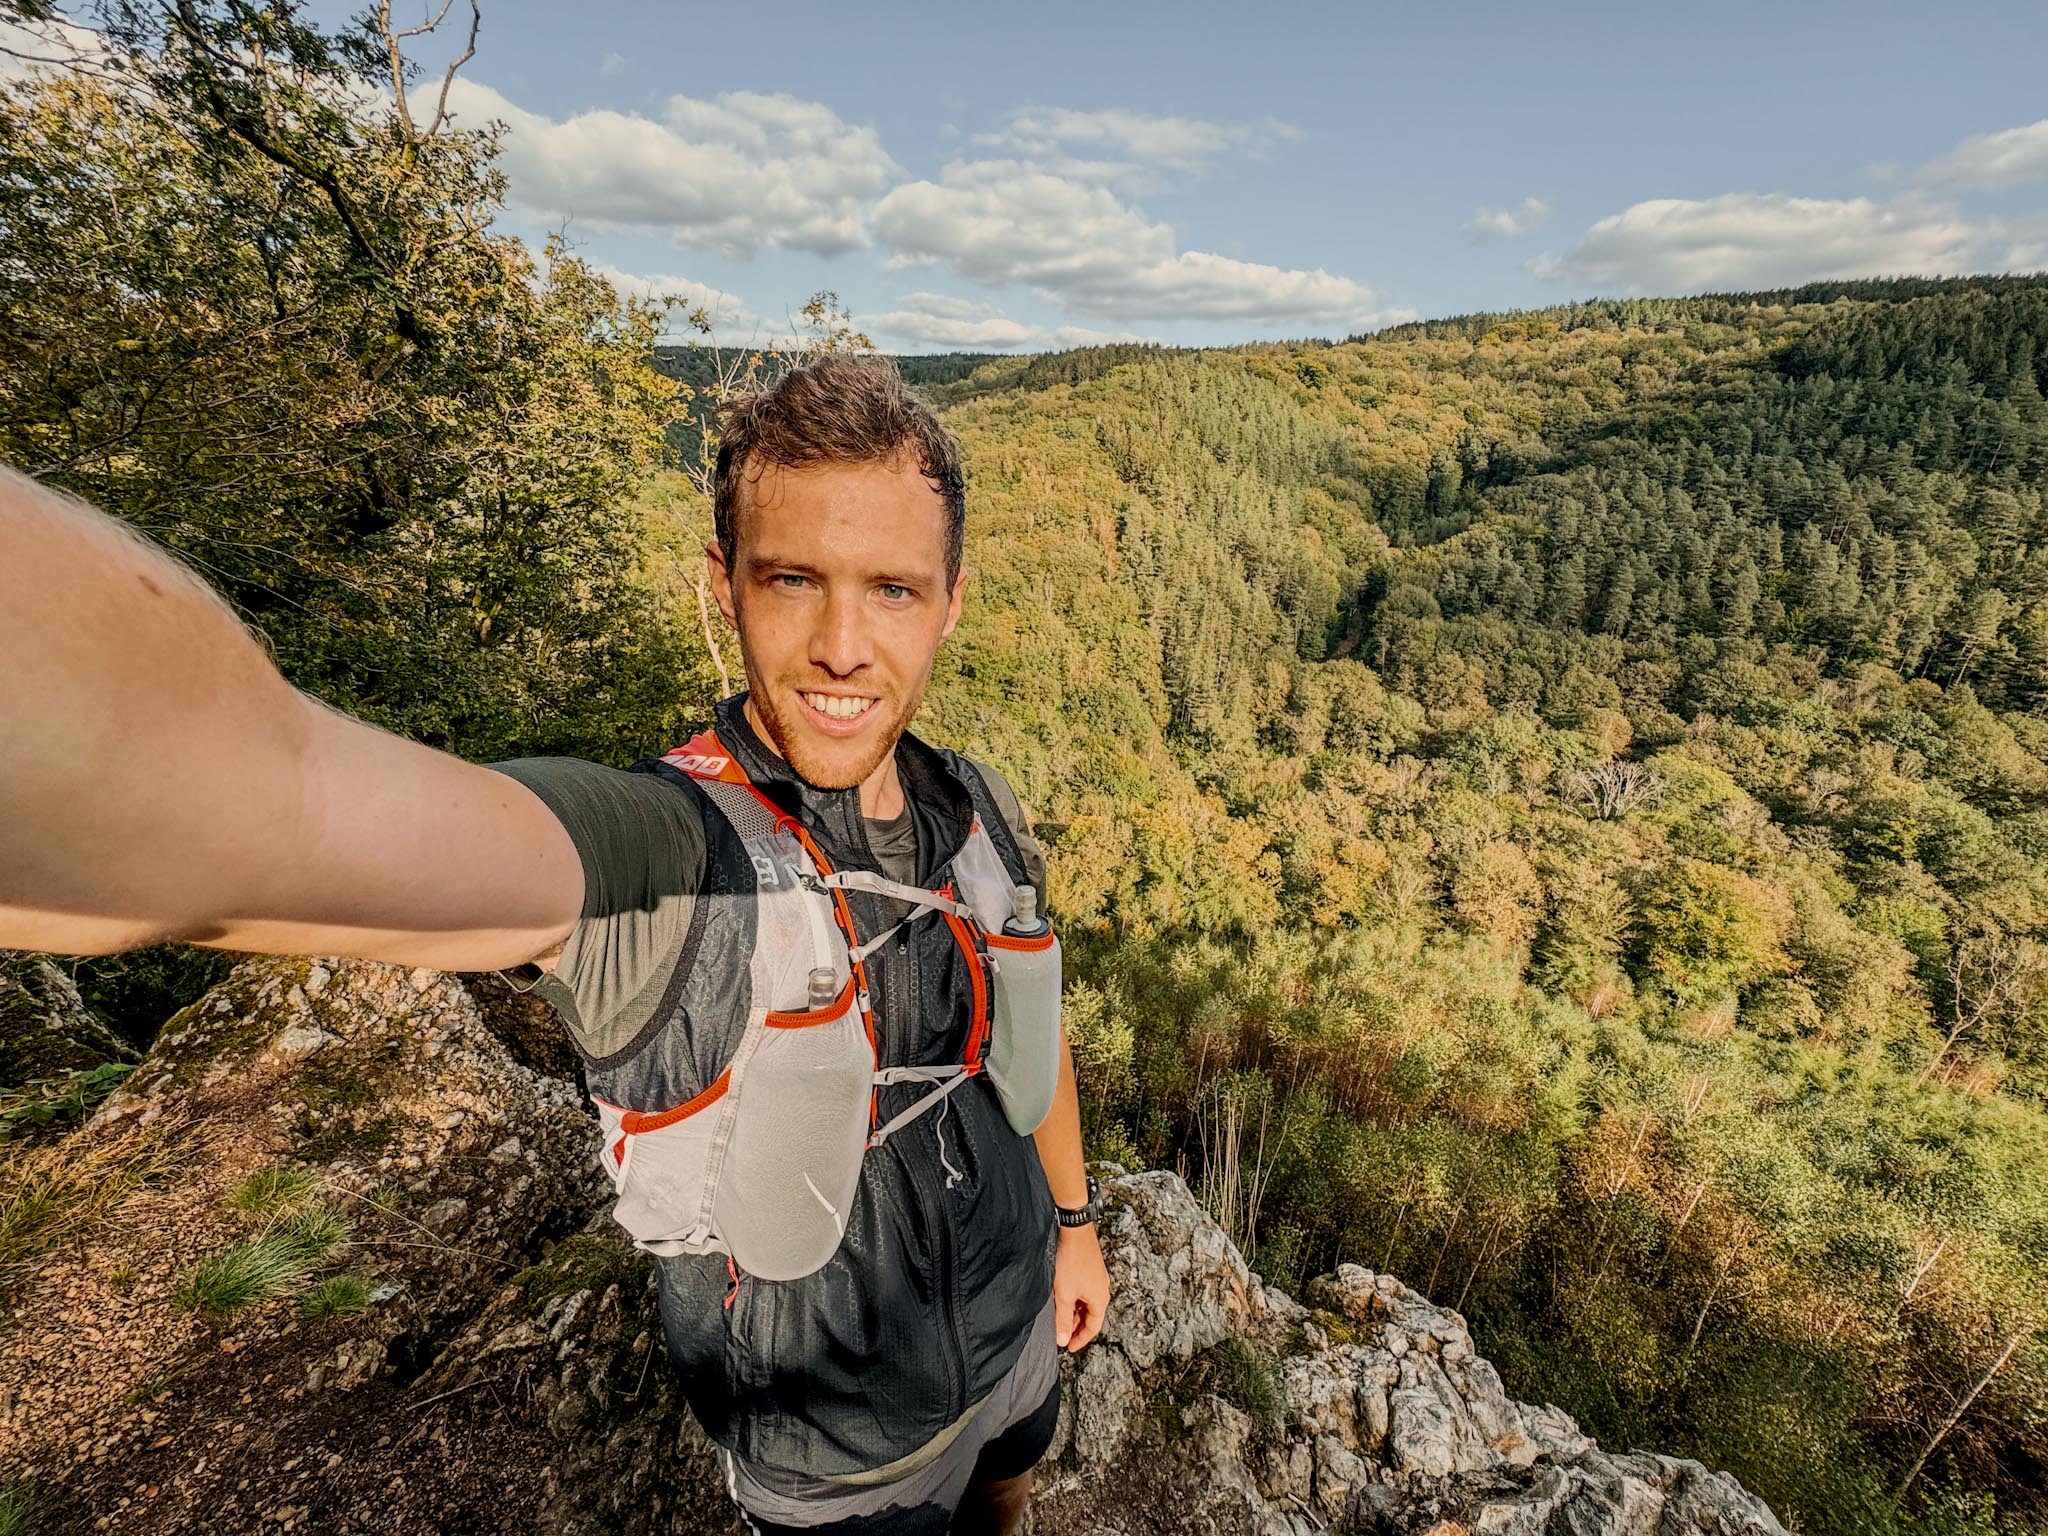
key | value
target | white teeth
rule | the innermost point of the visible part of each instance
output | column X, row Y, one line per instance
column 835, row 706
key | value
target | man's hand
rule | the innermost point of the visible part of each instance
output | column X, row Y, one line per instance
column 1080, row 1288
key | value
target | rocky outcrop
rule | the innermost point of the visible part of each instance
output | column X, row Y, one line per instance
column 45, row 1027
column 1214, row 1403
column 506, row 1373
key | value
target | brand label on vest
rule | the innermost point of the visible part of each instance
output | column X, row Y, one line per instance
column 700, row 763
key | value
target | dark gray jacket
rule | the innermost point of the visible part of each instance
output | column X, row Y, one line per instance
column 933, row 1290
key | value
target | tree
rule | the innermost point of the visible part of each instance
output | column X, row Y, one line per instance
column 253, row 305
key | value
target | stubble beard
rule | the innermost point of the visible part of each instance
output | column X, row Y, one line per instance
column 826, row 769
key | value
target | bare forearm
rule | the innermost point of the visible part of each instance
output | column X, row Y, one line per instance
column 160, row 779
column 1059, row 1138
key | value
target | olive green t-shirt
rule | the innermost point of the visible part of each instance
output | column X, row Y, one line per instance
column 642, row 847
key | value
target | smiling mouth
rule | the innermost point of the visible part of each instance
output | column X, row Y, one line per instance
column 838, row 709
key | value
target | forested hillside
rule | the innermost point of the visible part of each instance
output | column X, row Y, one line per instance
column 1552, row 806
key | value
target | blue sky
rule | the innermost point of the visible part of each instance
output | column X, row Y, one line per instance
column 1027, row 176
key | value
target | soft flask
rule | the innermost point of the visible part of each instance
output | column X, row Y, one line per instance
column 1024, row 1042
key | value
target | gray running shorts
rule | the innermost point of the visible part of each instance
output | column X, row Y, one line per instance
column 777, row 1500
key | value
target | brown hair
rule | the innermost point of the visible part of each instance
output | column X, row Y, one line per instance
column 840, row 409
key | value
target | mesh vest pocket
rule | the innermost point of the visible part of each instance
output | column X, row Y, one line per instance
column 661, row 1166
column 799, row 1130
column 1024, row 1039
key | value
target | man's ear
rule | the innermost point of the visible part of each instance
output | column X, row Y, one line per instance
column 953, row 603
column 721, row 580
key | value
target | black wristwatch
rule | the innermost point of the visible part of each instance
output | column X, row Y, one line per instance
column 1081, row 1215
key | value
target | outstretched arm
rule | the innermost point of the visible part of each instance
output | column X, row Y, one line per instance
column 160, row 780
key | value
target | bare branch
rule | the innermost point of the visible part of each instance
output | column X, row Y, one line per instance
column 1612, row 789
column 468, row 53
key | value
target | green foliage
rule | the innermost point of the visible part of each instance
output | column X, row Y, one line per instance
column 281, row 1259
column 1301, row 655
column 1551, row 805
column 1248, row 1378
column 403, row 446
column 21, row 1508
column 580, row 1262
column 274, row 1191
column 134, row 992
column 46, row 1102
column 336, row 1296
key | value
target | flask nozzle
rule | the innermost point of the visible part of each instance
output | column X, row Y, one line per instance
column 824, row 987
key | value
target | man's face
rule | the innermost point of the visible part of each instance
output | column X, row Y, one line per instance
column 840, row 597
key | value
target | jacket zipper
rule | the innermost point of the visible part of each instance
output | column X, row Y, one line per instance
column 952, row 1329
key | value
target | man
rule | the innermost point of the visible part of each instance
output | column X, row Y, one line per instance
column 906, row 1383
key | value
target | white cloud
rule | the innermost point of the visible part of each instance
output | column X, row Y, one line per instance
column 1185, row 144
column 47, row 47
column 1116, row 147
column 2006, row 159
column 1002, row 223
column 611, row 64
column 735, row 174
column 1508, row 223
column 1755, row 240
column 947, row 321
column 728, row 313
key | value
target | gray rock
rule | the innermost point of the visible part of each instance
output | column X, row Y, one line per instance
column 1394, row 1422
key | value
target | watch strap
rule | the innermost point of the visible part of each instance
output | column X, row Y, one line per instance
column 1081, row 1215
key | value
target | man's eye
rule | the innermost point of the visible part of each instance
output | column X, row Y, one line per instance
column 789, row 579
column 892, row 591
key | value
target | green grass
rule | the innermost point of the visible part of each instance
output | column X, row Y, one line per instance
column 47, row 1199
column 281, row 1260
column 273, row 1191
column 336, row 1296
column 1248, row 1378
column 19, row 1509
column 314, row 1228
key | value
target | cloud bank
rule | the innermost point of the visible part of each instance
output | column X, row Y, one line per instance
column 738, row 174
column 1749, row 240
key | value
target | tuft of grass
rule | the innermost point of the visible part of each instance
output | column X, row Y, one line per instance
column 150, row 1388
column 19, row 1509
column 336, row 1296
column 274, row 1191
column 245, row 1274
column 53, row 1194
column 1248, row 1378
column 314, row 1228
column 281, row 1260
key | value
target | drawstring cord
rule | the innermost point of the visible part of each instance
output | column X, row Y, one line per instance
column 939, row 1130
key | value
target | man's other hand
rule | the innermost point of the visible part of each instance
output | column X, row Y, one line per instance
column 1080, row 1287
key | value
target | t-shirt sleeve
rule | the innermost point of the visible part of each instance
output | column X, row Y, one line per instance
column 642, row 846
column 1019, row 823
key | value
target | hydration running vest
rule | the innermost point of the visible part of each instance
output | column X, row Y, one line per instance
column 764, row 1162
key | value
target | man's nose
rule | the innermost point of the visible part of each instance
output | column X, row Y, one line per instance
column 840, row 642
